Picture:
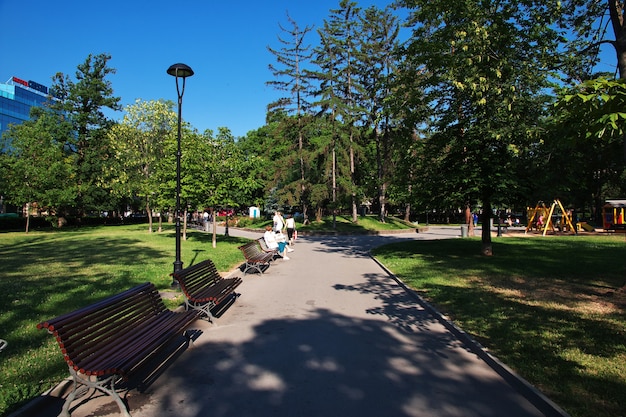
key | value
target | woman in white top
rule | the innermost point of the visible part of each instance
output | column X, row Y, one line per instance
column 270, row 240
column 279, row 222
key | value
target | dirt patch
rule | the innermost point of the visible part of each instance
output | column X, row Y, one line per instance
column 586, row 299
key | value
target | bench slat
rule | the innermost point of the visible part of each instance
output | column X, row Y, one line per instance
column 93, row 338
column 115, row 337
column 255, row 256
column 204, row 287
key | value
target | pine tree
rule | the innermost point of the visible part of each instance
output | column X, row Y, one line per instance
column 292, row 78
column 340, row 91
column 82, row 102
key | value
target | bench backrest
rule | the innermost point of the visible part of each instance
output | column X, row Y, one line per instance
column 195, row 278
column 252, row 249
column 83, row 334
column 263, row 244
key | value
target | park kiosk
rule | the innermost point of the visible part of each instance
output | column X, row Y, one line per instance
column 613, row 215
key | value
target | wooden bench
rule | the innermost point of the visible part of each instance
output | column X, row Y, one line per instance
column 117, row 338
column 255, row 256
column 267, row 249
column 204, row 288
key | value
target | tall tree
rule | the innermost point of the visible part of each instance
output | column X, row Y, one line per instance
column 137, row 142
column 483, row 82
column 83, row 103
column 377, row 61
column 39, row 164
column 340, row 91
column 291, row 77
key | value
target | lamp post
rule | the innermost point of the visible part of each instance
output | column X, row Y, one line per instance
column 179, row 71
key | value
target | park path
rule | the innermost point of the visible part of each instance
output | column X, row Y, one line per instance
column 330, row 333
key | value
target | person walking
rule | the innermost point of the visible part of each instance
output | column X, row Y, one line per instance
column 290, row 223
column 279, row 222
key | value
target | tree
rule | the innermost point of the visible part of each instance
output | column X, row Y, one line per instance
column 214, row 171
column 482, row 82
column 39, row 164
column 339, row 92
column 377, row 63
column 137, row 142
column 589, row 116
column 292, row 78
column 82, row 102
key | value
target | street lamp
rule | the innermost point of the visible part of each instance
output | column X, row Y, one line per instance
column 179, row 71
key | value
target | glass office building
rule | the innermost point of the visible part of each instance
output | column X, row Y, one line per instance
column 16, row 98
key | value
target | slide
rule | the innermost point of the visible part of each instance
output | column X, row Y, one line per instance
column 586, row 227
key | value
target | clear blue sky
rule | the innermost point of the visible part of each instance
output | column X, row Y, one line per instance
column 224, row 42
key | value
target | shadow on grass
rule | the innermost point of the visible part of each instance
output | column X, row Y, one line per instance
column 531, row 305
column 45, row 274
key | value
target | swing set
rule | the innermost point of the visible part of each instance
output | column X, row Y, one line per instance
column 540, row 218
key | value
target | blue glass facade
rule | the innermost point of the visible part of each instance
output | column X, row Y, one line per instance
column 16, row 100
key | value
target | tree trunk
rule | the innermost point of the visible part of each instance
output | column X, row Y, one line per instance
column 407, row 212
column 149, row 211
column 355, row 213
column 619, row 30
column 382, row 189
column 214, row 217
column 469, row 221
column 487, row 248
column 27, row 217
column 185, row 224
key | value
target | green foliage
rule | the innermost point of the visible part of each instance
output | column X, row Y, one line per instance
column 481, row 81
column 595, row 108
column 457, row 116
column 40, row 166
column 137, row 143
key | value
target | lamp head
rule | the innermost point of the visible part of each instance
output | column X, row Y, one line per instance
column 180, row 70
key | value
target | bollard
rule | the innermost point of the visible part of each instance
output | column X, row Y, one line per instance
column 464, row 230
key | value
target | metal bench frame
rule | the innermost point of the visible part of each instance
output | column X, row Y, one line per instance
column 255, row 256
column 109, row 341
column 204, row 288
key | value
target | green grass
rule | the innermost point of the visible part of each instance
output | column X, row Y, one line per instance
column 553, row 308
column 45, row 274
column 365, row 224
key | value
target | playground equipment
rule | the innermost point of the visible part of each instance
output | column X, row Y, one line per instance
column 613, row 215
column 540, row 218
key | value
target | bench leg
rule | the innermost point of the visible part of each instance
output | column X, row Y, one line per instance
column 248, row 266
column 205, row 308
column 98, row 384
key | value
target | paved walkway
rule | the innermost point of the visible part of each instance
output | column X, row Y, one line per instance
column 328, row 333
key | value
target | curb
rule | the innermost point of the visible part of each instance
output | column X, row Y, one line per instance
column 548, row 407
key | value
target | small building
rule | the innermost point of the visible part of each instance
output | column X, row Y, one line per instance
column 613, row 214
column 255, row 212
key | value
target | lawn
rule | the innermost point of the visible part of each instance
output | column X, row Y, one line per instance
column 48, row 273
column 552, row 308
column 365, row 224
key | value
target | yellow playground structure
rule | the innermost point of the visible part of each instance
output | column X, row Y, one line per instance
column 540, row 218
